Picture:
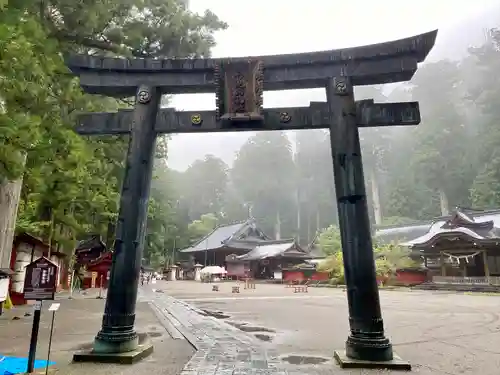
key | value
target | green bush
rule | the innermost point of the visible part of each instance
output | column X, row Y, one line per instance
column 388, row 257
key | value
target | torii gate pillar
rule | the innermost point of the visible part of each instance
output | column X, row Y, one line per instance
column 117, row 333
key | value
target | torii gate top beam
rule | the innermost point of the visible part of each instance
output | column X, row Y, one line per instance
column 373, row 64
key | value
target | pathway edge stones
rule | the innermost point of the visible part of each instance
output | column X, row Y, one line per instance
column 221, row 348
column 166, row 322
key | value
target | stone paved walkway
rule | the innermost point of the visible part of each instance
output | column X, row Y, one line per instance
column 221, row 348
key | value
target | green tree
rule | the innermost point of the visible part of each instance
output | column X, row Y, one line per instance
column 397, row 220
column 137, row 28
column 376, row 145
column 483, row 91
column 203, row 186
column 264, row 176
column 329, row 240
column 166, row 230
column 485, row 190
column 388, row 257
column 442, row 137
column 314, row 182
column 234, row 207
column 200, row 228
column 71, row 183
column 391, row 257
column 334, row 265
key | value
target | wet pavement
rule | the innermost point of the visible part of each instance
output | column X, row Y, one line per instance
column 76, row 324
column 271, row 331
column 438, row 332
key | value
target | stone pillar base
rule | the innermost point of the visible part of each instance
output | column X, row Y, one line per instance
column 373, row 349
column 105, row 346
column 130, row 352
column 396, row 363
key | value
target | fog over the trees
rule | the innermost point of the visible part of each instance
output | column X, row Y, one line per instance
column 460, row 26
column 60, row 186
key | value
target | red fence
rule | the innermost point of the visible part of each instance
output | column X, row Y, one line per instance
column 403, row 277
column 298, row 275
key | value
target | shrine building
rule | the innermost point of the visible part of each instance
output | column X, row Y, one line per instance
column 462, row 248
column 26, row 249
column 246, row 251
column 92, row 256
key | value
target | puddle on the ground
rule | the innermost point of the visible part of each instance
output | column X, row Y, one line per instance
column 263, row 337
column 303, row 360
column 255, row 329
column 215, row 314
column 246, row 328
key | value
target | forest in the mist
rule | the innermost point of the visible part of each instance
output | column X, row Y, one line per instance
column 411, row 173
column 62, row 187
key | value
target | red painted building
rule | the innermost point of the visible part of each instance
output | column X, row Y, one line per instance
column 102, row 266
column 25, row 249
column 300, row 275
column 92, row 256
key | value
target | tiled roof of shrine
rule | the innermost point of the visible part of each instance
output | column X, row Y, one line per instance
column 227, row 235
column 460, row 225
column 278, row 248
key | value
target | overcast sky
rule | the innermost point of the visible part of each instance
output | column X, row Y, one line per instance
column 262, row 27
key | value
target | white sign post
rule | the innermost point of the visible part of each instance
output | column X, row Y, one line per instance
column 54, row 307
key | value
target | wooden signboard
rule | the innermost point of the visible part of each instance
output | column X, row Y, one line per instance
column 40, row 280
column 239, row 91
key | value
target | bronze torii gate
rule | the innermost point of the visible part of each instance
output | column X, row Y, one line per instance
column 239, row 84
column 368, row 114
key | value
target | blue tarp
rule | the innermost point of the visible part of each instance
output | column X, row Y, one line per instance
column 16, row 365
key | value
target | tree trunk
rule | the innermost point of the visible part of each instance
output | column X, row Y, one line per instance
column 318, row 221
column 110, row 234
column 10, row 192
column 298, row 216
column 308, row 225
column 377, row 208
column 278, row 226
column 443, row 200
column 51, row 232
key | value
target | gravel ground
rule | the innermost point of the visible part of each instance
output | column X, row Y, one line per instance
column 438, row 332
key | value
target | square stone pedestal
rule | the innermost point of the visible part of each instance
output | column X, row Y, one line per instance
column 396, row 364
column 144, row 349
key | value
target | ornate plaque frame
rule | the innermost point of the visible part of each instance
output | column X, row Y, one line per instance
column 239, row 91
